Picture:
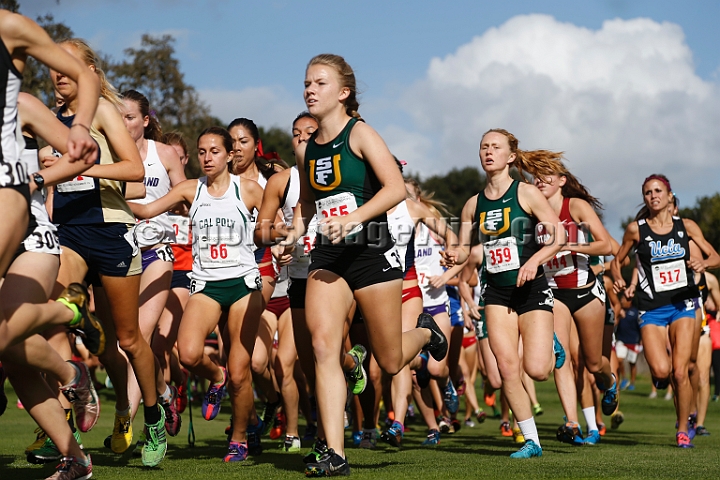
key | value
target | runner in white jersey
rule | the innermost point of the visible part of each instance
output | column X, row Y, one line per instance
column 26, row 359
column 163, row 170
column 225, row 278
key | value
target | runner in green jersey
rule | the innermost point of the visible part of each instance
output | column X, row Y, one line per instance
column 350, row 180
column 518, row 301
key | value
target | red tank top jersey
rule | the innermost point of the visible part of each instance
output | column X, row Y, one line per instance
column 183, row 257
column 569, row 269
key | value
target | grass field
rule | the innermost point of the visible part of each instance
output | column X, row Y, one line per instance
column 643, row 447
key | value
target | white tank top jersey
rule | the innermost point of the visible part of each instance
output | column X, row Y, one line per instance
column 43, row 238
column 222, row 233
column 292, row 197
column 281, row 284
column 401, row 227
column 157, row 184
column 11, row 139
column 427, row 263
column 262, row 181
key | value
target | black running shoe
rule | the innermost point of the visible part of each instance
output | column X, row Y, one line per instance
column 319, row 449
column 269, row 412
column 438, row 345
column 329, row 465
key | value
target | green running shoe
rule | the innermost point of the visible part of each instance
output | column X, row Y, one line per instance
column 155, row 442
column 357, row 378
column 48, row 452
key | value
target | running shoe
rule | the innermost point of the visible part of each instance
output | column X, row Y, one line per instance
column 692, row 425
column 517, row 435
column 137, row 451
column 310, row 433
column 173, row 420
column 393, row 435
column 356, row 437
column 701, row 431
column 661, row 384
column 40, row 437
column 537, row 410
column 624, row 384
column 213, row 397
column 456, row 425
column 3, row 397
column 631, row 388
column 602, row 429
column 70, row 468
column 529, row 450
column 329, row 464
column 668, row 396
column 610, row 398
column 715, row 398
column 433, row 438
column 83, row 397
column 319, row 449
column 505, row 429
column 570, row 433
column 652, row 395
column 181, row 400
column 438, row 344
column 445, row 425
column 617, row 419
column 559, row 353
column 237, row 452
column 253, row 437
column 422, row 374
column 469, row 423
column 48, row 452
column 683, row 441
column 84, row 324
column 292, row 444
column 450, row 397
column 357, row 377
column 269, row 411
column 593, row 438
column 480, row 415
column 369, row 440
column 122, row 434
column 278, row 427
column 155, row 442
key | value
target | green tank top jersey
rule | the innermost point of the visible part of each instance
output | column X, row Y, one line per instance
column 507, row 233
column 342, row 182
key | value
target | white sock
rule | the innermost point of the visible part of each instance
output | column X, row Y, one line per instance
column 590, row 418
column 167, row 395
column 529, row 430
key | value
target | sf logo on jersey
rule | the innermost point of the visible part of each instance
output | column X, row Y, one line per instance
column 495, row 222
column 325, row 173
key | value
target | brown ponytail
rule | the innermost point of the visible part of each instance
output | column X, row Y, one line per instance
column 153, row 131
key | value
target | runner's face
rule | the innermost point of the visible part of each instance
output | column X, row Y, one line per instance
column 134, row 120
column 495, row 152
column 244, row 148
column 181, row 153
column 65, row 86
column 302, row 130
column 212, row 155
column 322, row 90
column 656, row 195
column 550, row 185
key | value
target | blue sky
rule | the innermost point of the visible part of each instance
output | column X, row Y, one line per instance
column 429, row 86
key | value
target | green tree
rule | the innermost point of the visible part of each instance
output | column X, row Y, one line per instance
column 455, row 187
column 11, row 5
column 153, row 70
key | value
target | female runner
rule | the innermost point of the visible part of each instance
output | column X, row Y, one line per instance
column 225, row 279
column 667, row 290
column 518, row 301
column 349, row 178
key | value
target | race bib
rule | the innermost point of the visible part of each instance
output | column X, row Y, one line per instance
column 306, row 243
column 561, row 264
column 181, row 226
column 165, row 253
column 218, row 251
column 42, row 240
column 77, row 184
column 669, row 276
column 501, row 255
column 338, row 206
column 423, row 272
column 196, row 286
column 393, row 258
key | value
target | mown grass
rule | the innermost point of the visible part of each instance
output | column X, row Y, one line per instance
column 643, row 447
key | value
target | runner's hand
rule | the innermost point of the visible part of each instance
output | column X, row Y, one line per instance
column 81, row 146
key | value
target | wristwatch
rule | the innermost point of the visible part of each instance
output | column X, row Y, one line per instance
column 39, row 180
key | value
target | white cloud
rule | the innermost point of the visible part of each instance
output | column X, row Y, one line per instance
column 266, row 106
column 623, row 101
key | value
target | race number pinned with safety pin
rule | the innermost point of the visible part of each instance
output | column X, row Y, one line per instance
column 338, row 206
column 501, row 255
column 561, row 264
column 669, row 276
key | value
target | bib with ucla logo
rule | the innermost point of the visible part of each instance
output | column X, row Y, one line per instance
column 507, row 233
column 342, row 182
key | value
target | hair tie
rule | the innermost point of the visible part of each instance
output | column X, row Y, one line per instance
column 659, row 179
